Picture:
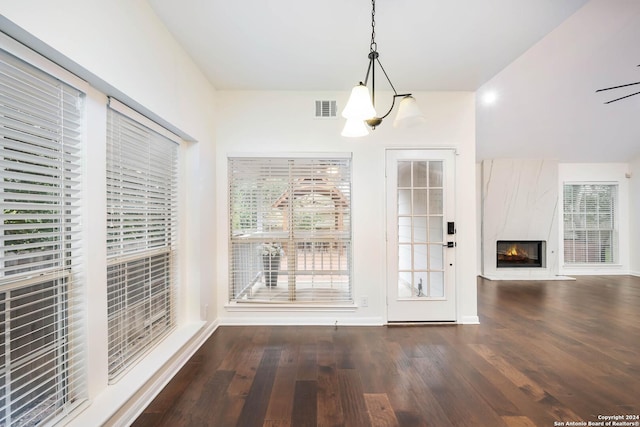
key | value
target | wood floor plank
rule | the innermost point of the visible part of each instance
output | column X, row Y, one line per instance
column 352, row 401
column 256, row 403
column 308, row 363
column 281, row 400
column 519, row 422
column 329, row 407
column 412, row 395
column 462, row 404
column 518, row 378
column 246, row 367
column 305, row 407
column 181, row 382
column 543, row 352
column 380, row 411
column 211, row 397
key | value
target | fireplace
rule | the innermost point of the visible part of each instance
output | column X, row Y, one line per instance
column 520, row 253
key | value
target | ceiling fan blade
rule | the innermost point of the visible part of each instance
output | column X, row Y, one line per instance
column 622, row 97
column 617, row 87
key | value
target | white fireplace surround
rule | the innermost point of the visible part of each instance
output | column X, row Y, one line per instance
column 519, row 202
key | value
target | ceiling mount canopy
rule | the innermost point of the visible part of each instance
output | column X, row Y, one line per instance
column 360, row 108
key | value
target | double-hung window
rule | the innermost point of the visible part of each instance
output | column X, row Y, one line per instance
column 141, row 237
column 590, row 235
column 42, row 355
column 290, row 230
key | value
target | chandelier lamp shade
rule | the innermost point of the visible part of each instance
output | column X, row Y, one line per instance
column 360, row 108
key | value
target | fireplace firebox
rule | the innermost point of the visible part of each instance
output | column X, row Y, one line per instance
column 520, row 253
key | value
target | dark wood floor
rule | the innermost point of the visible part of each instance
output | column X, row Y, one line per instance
column 545, row 352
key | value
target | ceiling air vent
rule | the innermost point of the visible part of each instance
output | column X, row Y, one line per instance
column 326, row 109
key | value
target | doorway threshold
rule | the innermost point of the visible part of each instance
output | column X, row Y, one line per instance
column 423, row 323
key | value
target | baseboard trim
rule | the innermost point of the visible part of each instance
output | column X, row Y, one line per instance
column 470, row 320
column 302, row 321
column 525, row 278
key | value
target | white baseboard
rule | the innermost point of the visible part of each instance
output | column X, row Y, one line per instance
column 530, row 278
column 470, row 320
column 635, row 273
column 301, row 321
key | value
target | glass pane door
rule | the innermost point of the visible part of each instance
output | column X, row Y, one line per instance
column 420, row 261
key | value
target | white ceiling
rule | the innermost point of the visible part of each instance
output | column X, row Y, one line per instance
column 434, row 45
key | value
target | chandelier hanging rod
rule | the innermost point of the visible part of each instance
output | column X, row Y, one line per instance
column 374, row 56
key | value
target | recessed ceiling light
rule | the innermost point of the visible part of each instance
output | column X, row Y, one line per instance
column 489, row 97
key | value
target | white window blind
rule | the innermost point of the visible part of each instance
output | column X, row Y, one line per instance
column 141, row 238
column 589, row 223
column 290, row 236
column 42, row 372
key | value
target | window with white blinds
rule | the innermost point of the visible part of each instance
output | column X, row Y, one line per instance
column 589, row 212
column 42, row 359
column 142, row 229
column 290, row 230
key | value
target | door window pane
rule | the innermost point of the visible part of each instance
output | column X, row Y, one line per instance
column 404, row 229
column 404, row 202
column 436, row 257
column 435, row 229
column 420, row 257
column 435, row 173
column 419, row 174
column 404, row 174
column 419, row 229
column 436, row 284
column 404, row 257
column 420, row 202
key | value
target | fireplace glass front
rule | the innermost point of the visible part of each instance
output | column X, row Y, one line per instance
column 520, row 253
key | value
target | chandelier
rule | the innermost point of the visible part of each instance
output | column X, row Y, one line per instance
column 360, row 108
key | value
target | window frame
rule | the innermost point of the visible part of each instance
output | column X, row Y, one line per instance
column 45, row 165
column 585, row 256
column 133, row 326
column 281, row 224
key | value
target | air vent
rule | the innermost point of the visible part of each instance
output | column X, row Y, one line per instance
column 326, row 109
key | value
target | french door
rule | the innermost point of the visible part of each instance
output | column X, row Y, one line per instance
column 420, row 236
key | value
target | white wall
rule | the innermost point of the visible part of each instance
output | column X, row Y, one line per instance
column 612, row 173
column 122, row 48
column 282, row 122
column 547, row 106
column 634, row 216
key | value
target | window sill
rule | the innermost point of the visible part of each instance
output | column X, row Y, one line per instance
column 592, row 266
column 114, row 398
